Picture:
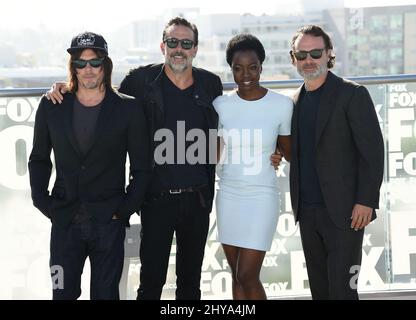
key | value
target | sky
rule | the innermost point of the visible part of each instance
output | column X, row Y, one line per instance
column 105, row 16
column 17, row 14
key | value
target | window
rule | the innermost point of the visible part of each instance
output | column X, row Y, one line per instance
column 396, row 53
column 379, row 23
column 396, row 21
column 396, row 38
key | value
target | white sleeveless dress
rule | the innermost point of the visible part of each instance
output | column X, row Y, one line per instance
column 247, row 202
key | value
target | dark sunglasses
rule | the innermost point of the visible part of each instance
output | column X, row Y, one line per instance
column 314, row 53
column 81, row 64
column 185, row 43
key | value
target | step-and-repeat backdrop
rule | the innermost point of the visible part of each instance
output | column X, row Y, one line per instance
column 389, row 248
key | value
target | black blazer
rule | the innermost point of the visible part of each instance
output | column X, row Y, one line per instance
column 145, row 84
column 96, row 179
column 349, row 150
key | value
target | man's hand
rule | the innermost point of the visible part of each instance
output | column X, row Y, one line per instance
column 361, row 216
column 275, row 159
column 55, row 94
column 115, row 216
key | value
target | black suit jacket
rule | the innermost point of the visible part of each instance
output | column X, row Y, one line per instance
column 349, row 150
column 145, row 84
column 96, row 179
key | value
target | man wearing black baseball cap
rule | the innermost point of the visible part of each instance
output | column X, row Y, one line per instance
column 89, row 206
column 88, row 40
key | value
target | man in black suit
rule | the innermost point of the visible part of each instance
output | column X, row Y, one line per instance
column 179, row 200
column 336, row 168
column 90, row 134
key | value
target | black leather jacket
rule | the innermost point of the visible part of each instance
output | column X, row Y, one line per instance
column 145, row 84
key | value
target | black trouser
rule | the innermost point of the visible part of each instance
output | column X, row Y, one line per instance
column 102, row 243
column 332, row 255
column 187, row 216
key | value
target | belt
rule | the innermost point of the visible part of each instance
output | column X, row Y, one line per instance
column 180, row 190
column 163, row 193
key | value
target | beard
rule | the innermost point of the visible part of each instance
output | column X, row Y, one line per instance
column 89, row 81
column 179, row 67
column 320, row 69
column 92, row 84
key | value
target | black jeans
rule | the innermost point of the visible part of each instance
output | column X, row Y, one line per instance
column 187, row 216
column 332, row 255
column 102, row 243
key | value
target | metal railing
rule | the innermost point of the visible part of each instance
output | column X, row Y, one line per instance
column 272, row 84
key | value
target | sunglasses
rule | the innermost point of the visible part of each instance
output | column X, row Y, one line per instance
column 81, row 64
column 172, row 43
column 314, row 53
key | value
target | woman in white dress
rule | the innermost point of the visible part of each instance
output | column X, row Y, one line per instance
column 253, row 121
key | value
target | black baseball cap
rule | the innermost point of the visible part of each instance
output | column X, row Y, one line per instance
column 88, row 40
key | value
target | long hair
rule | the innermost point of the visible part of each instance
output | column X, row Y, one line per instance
column 72, row 76
column 316, row 31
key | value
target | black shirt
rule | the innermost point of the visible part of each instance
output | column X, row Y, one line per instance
column 84, row 122
column 181, row 115
column 310, row 190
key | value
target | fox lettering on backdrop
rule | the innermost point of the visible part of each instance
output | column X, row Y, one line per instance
column 26, row 231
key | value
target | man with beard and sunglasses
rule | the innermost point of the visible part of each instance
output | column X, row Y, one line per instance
column 177, row 97
column 89, row 206
column 336, row 169
column 177, row 100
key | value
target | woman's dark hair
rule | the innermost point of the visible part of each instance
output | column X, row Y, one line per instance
column 316, row 31
column 244, row 42
column 107, row 65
